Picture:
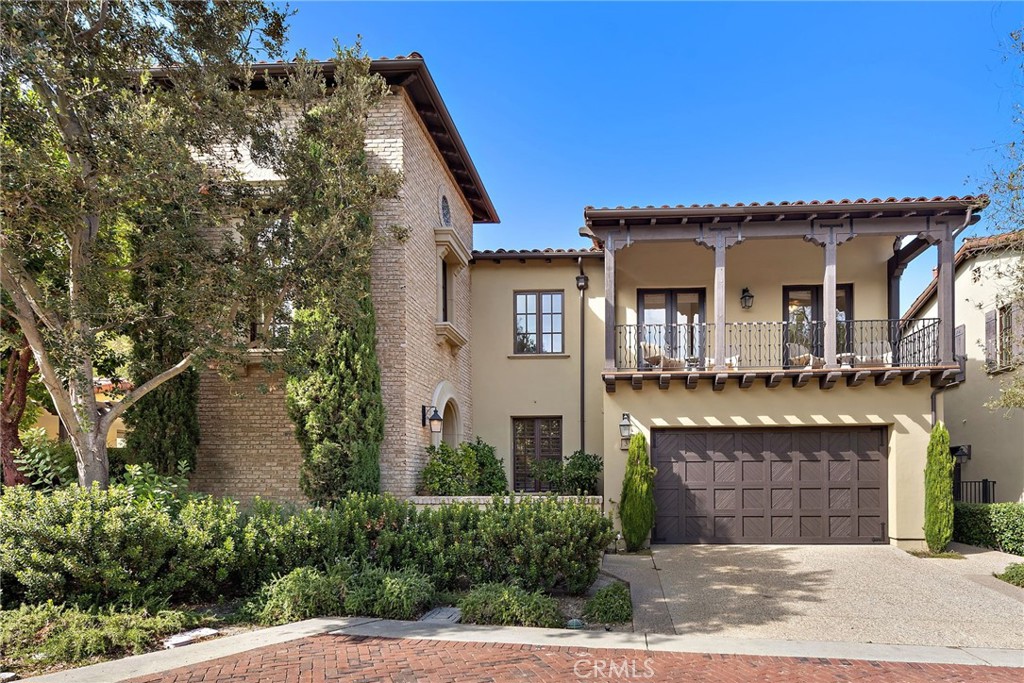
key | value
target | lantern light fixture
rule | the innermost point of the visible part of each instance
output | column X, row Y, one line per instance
column 746, row 299
column 434, row 419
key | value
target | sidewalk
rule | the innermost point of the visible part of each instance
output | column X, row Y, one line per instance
column 505, row 637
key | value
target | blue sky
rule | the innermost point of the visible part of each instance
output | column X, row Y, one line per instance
column 564, row 105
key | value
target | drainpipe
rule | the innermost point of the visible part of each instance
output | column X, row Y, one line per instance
column 582, row 282
column 938, row 390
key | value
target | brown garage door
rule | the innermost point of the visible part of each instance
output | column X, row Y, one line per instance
column 770, row 485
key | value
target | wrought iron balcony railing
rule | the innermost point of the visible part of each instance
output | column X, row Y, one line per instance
column 772, row 345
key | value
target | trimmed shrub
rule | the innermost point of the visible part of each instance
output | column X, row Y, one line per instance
column 636, row 504
column 388, row 594
column 1014, row 574
column 938, row 491
column 48, row 634
column 501, row 605
column 575, row 475
column 491, row 473
column 990, row 525
column 541, row 544
column 451, row 471
column 612, row 604
column 303, row 593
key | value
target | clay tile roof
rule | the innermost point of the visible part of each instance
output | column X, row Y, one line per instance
column 965, row 199
column 546, row 253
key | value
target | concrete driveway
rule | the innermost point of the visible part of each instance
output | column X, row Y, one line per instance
column 868, row 594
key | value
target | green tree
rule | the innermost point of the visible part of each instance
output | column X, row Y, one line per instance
column 125, row 175
column 938, row 491
column 334, row 397
column 636, row 504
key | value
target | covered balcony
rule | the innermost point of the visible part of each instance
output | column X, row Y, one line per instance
column 666, row 297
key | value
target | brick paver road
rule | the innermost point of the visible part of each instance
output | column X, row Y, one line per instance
column 356, row 658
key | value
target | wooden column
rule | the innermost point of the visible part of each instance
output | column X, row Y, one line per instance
column 829, row 286
column 947, row 322
column 720, row 246
column 609, row 303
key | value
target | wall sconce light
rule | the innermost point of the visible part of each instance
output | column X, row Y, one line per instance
column 582, row 282
column 960, row 453
column 746, row 299
column 434, row 419
column 625, row 431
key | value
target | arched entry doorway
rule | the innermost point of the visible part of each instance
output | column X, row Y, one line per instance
column 448, row 406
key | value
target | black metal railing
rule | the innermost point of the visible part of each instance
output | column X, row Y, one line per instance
column 764, row 345
column 983, row 491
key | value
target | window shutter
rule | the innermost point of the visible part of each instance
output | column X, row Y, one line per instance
column 991, row 339
column 1018, row 331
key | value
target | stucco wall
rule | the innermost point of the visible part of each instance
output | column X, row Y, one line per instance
column 763, row 265
column 996, row 436
column 905, row 410
column 510, row 386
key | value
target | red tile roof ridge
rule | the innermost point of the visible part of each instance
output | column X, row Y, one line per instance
column 966, row 199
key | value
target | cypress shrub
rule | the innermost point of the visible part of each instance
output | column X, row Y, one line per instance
column 334, row 398
column 636, row 504
column 938, row 491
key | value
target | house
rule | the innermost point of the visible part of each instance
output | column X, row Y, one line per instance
column 993, row 323
column 105, row 393
column 759, row 347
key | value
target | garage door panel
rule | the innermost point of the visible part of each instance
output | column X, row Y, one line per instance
column 782, row 485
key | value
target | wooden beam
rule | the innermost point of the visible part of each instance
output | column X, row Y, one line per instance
column 609, row 384
column 747, row 380
column 886, row 377
column 637, row 381
column 915, row 377
column 857, row 378
column 691, row 380
column 663, row 381
column 719, row 301
column 944, row 378
column 720, row 379
column 801, row 379
column 829, row 380
column 773, row 380
column 609, row 303
column 945, row 298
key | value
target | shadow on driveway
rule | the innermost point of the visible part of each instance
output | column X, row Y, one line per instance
column 710, row 588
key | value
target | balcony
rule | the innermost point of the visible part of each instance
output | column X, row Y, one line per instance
column 773, row 350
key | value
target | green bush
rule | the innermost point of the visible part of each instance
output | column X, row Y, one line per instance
column 450, row 471
column 92, row 547
column 990, row 525
column 303, row 593
column 388, row 594
column 938, row 491
column 576, row 475
column 47, row 634
column 1014, row 574
column 636, row 504
column 46, row 462
column 503, row 605
column 612, row 604
column 491, row 479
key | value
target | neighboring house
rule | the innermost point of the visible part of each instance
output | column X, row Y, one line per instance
column 992, row 317
column 104, row 388
column 758, row 347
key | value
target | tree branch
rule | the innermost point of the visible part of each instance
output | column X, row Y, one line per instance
column 12, row 276
column 135, row 394
column 97, row 25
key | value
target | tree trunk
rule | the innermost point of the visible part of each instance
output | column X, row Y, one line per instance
column 93, row 467
column 12, row 407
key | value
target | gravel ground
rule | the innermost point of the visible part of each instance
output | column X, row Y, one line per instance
column 871, row 594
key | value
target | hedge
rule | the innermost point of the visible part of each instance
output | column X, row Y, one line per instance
column 990, row 525
column 92, row 547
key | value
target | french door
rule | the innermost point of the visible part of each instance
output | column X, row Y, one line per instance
column 671, row 322
column 803, row 310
